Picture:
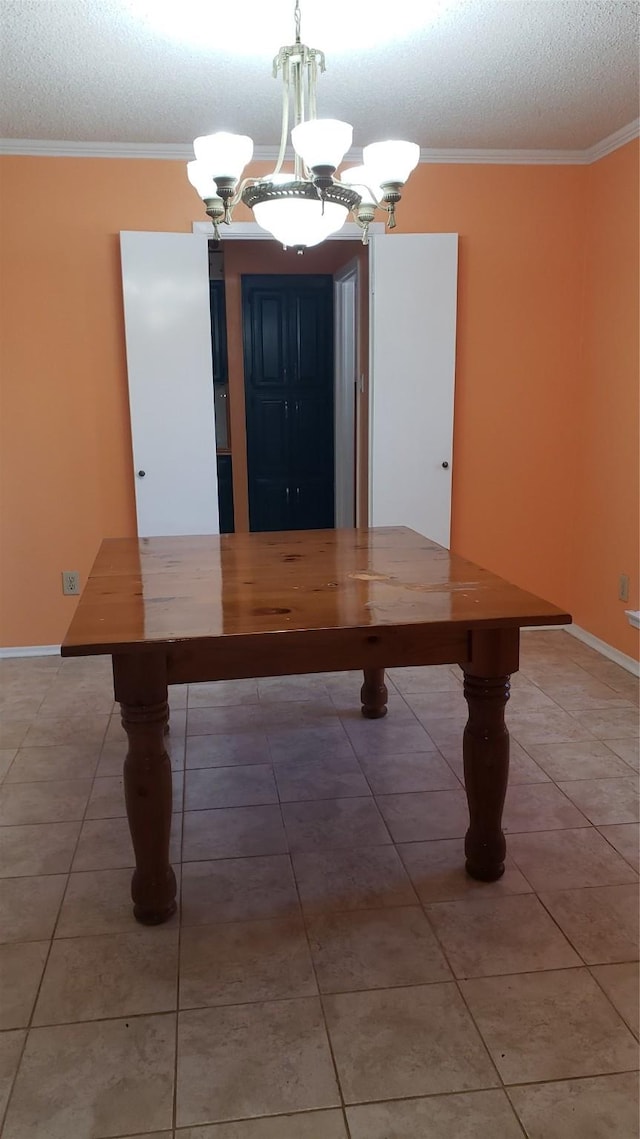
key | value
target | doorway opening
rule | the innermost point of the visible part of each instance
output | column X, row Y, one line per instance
column 289, row 337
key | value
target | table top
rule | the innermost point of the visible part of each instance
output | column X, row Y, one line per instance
column 144, row 591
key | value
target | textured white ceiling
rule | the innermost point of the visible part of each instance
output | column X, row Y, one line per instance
column 473, row 73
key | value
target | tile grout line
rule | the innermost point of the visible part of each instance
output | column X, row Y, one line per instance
column 30, row 1025
column 320, row 1001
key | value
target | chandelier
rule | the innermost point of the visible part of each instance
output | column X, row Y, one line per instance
column 303, row 207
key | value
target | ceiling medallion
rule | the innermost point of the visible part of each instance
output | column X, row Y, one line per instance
column 303, row 207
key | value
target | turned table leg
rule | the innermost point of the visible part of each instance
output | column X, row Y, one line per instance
column 486, row 749
column 142, row 691
column 373, row 694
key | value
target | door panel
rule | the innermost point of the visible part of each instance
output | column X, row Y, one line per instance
column 265, row 331
column 288, row 337
column 412, row 374
column 311, row 437
column 312, row 504
column 269, row 455
column 311, row 347
column 165, row 279
column 271, row 504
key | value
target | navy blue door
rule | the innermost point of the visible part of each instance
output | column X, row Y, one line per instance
column 288, row 367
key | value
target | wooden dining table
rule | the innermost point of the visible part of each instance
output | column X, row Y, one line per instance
column 182, row 609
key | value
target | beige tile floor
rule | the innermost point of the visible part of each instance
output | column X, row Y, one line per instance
column 334, row 974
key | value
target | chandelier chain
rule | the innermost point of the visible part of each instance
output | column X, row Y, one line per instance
column 296, row 16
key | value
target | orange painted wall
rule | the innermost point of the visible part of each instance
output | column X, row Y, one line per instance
column 66, row 476
column 607, row 508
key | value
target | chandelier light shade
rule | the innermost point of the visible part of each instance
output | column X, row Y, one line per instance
column 224, row 154
column 303, row 207
column 201, row 180
column 391, row 162
column 322, row 143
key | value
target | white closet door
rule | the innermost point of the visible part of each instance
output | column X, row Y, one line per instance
column 165, row 280
column 412, row 368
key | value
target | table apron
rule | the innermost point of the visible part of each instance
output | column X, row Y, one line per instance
column 318, row 650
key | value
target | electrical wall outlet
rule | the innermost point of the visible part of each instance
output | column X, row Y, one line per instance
column 623, row 587
column 70, row 582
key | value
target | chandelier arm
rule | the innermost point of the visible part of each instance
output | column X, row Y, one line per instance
column 298, row 97
column 284, row 133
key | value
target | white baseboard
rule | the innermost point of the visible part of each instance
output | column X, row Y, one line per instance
column 29, row 651
column 627, row 662
column 607, row 650
column 545, row 628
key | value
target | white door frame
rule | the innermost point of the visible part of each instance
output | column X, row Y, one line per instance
column 346, row 286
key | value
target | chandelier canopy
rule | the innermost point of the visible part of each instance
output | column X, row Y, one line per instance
column 302, row 207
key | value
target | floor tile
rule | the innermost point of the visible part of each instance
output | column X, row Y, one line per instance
column 11, row 1044
column 318, row 743
column 626, row 839
column 223, row 692
column 283, row 1045
column 79, row 731
column 437, row 871
column 21, row 968
column 582, row 759
column 238, row 889
column 292, row 688
column 393, row 1043
column 334, row 823
column 621, row 984
column 549, row 1026
column 365, row 878
column 244, row 961
column 243, row 718
column 605, row 801
column 375, row 949
column 601, row 922
column 426, row 678
column 63, row 762
column 546, row 725
column 568, row 859
column 425, row 815
column 473, row 1115
column 99, row 901
column 230, row 787
column 227, row 750
column 613, row 723
column 302, row 779
column 100, row 1079
column 233, row 832
column 105, row 844
column 604, row 1107
column 486, row 936
column 628, row 750
column 539, row 807
column 7, row 756
column 115, row 974
column 388, row 736
column 29, row 907
column 12, row 731
column 311, row 1125
column 46, row 848
column 58, row 801
column 416, row 771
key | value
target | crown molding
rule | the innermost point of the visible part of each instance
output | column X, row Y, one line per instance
column 177, row 151
column 613, row 141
